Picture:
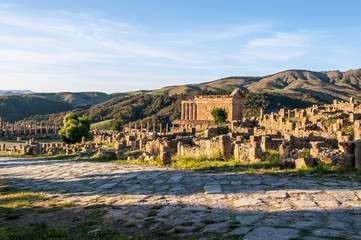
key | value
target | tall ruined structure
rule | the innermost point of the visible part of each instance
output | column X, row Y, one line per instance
column 197, row 111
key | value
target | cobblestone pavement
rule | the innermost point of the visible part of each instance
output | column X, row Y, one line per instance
column 205, row 203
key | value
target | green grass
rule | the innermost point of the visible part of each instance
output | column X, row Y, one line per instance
column 42, row 156
column 103, row 125
column 41, row 231
column 16, row 204
column 270, row 162
column 159, row 92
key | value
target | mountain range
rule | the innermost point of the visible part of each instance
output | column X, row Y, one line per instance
column 293, row 84
column 14, row 92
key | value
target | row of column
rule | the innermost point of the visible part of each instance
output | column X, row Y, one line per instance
column 189, row 111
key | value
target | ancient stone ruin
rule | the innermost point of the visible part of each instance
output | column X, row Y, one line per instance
column 302, row 137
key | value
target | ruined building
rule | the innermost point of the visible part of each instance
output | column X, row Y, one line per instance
column 197, row 111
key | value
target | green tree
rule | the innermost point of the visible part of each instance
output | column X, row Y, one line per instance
column 219, row 115
column 74, row 128
column 117, row 125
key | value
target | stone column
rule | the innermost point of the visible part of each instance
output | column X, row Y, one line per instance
column 255, row 152
column 358, row 154
column 153, row 128
column 165, row 155
column 266, row 142
column 186, row 111
column 182, row 112
column 166, row 129
column 225, row 145
column 189, row 111
column 194, row 111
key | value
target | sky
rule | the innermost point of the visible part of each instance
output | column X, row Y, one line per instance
column 119, row 46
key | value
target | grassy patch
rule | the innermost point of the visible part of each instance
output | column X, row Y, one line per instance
column 103, row 125
column 270, row 161
column 16, row 204
column 36, row 231
column 49, row 210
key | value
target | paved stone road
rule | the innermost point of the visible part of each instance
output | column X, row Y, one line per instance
column 201, row 203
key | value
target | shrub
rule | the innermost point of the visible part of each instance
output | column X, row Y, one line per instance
column 117, row 125
column 219, row 115
column 74, row 128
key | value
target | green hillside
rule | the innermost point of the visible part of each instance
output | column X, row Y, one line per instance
column 145, row 104
column 16, row 107
column 157, row 108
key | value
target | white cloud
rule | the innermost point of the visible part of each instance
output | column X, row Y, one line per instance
column 282, row 46
column 66, row 51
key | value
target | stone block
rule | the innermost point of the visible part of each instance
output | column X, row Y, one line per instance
column 266, row 143
column 225, row 146
column 255, row 154
column 358, row 154
column 284, row 151
column 347, row 160
column 288, row 162
column 304, row 162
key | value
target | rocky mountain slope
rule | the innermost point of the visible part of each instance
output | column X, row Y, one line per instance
column 293, row 83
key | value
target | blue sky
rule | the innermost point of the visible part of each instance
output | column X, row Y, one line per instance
column 118, row 46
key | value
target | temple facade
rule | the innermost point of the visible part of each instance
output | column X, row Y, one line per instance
column 198, row 110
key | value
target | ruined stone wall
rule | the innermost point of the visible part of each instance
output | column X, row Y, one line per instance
column 206, row 104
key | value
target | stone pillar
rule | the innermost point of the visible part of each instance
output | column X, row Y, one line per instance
column 153, row 128
column 165, row 155
column 284, row 151
column 261, row 115
column 357, row 131
column 225, row 145
column 193, row 131
column 348, row 149
column 160, row 129
column 148, row 128
column 186, row 111
column 194, row 111
column 316, row 146
column 255, row 152
column 358, row 154
column 237, row 152
column 179, row 148
column 282, row 112
column 304, row 122
column 166, row 128
column 352, row 117
column 190, row 111
column 335, row 103
column 266, row 142
column 182, row 112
